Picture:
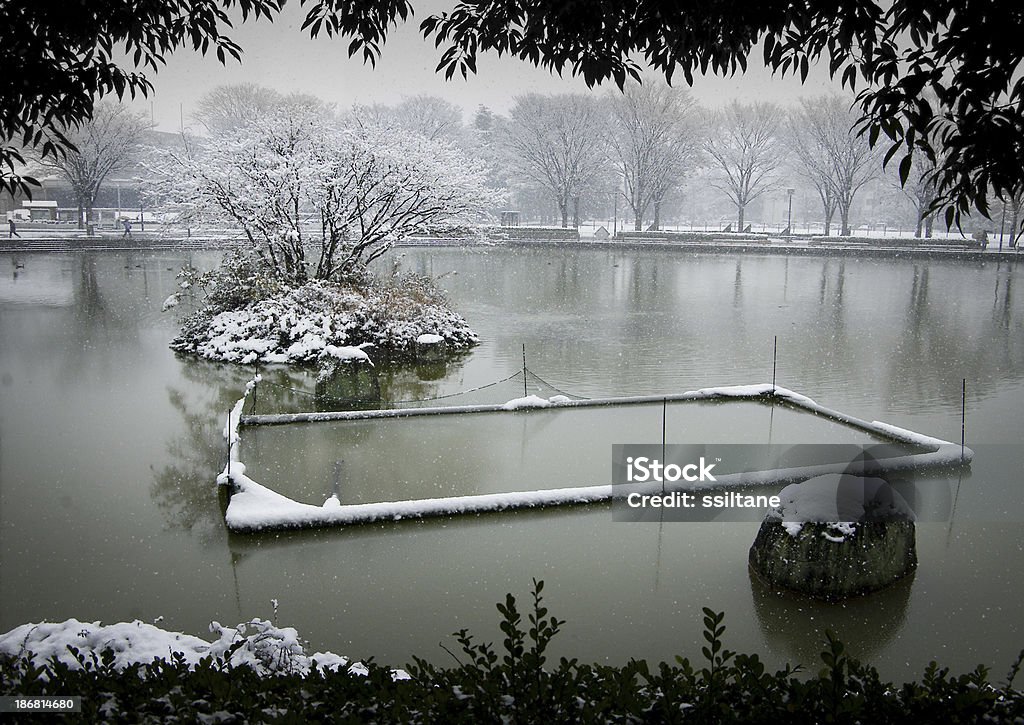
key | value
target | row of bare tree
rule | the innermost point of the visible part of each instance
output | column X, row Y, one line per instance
column 654, row 137
column 638, row 147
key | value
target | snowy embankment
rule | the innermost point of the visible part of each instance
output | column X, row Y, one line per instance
column 299, row 325
column 255, row 507
column 257, row 644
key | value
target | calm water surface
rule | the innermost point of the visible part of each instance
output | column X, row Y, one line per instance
column 109, row 445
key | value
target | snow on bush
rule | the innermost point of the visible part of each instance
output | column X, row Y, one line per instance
column 302, row 323
column 257, row 643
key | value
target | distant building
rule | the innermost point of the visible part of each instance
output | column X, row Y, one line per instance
column 119, row 192
column 41, row 210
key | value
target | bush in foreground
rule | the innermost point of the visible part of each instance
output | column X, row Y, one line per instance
column 512, row 684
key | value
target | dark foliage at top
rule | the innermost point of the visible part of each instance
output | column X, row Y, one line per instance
column 58, row 56
column 512, row 685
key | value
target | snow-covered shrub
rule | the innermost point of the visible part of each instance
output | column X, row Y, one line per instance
column 317, row 197
column 297, row 324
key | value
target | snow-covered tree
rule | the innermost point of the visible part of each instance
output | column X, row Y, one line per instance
column 318, row 199
column 555, row 142
column 832, row 155
column 103, row 144
column 653, row 137
column 429, row 116
column 227, row 108
column 743, row 146
column 920, row 188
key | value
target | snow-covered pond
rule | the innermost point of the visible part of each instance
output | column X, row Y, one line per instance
column 109, row 445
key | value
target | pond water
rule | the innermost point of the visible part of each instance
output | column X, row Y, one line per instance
column 109, row 444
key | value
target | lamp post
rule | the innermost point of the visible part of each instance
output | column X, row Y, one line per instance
column 789, row 218
column 615, row 220
column 1002, row 227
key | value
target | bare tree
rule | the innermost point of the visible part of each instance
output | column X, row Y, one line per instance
column 921, row 189
column 743, row 145
column 652, row 134
column 557, row 140
column 831, row 155
column 229, row 108
column 1012, row 204
column 432, row 117
column 102, row 144
column 226, row 109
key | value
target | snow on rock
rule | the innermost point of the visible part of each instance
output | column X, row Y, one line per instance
column 348, row 353
column 257, row 643
column 840, row 498
column 835, row 536
column 429, row 339
column 793, row 528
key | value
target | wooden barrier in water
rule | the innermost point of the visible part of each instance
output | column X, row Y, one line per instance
column 254, row 507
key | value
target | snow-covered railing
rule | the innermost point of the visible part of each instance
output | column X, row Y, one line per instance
column 254, row 507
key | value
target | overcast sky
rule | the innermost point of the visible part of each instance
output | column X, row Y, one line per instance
column 282, row 57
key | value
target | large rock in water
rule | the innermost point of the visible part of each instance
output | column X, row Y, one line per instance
column 347, row 378
column 836, row 536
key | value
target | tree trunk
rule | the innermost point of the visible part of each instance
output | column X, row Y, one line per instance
column 657, row 216
column 844, row 221
column 741, row 208
column 828, row 220
column 563, row 209
column 920, row 225
column 81, row 216
column 576, row 212
column 928, row 227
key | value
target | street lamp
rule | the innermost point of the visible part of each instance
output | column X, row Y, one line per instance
column 789, row 219
column 615, row 221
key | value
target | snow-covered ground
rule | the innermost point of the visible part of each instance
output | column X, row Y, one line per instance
column 257, row 643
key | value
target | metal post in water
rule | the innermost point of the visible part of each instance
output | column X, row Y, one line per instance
column 524, row 370
column 664, row 412
column 255, row 385
column 775, row 359
column 337, row 479
column 227, row 430
column 963, row 419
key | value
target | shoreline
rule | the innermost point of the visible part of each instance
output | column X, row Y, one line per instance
column 773, row 246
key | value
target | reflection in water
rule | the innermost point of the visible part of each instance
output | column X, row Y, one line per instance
column 182, row 489
column 795, row 626
column 737, row 285
column 346, row 385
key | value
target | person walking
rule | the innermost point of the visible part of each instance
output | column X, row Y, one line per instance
column 14, row 228
column 127, row 229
